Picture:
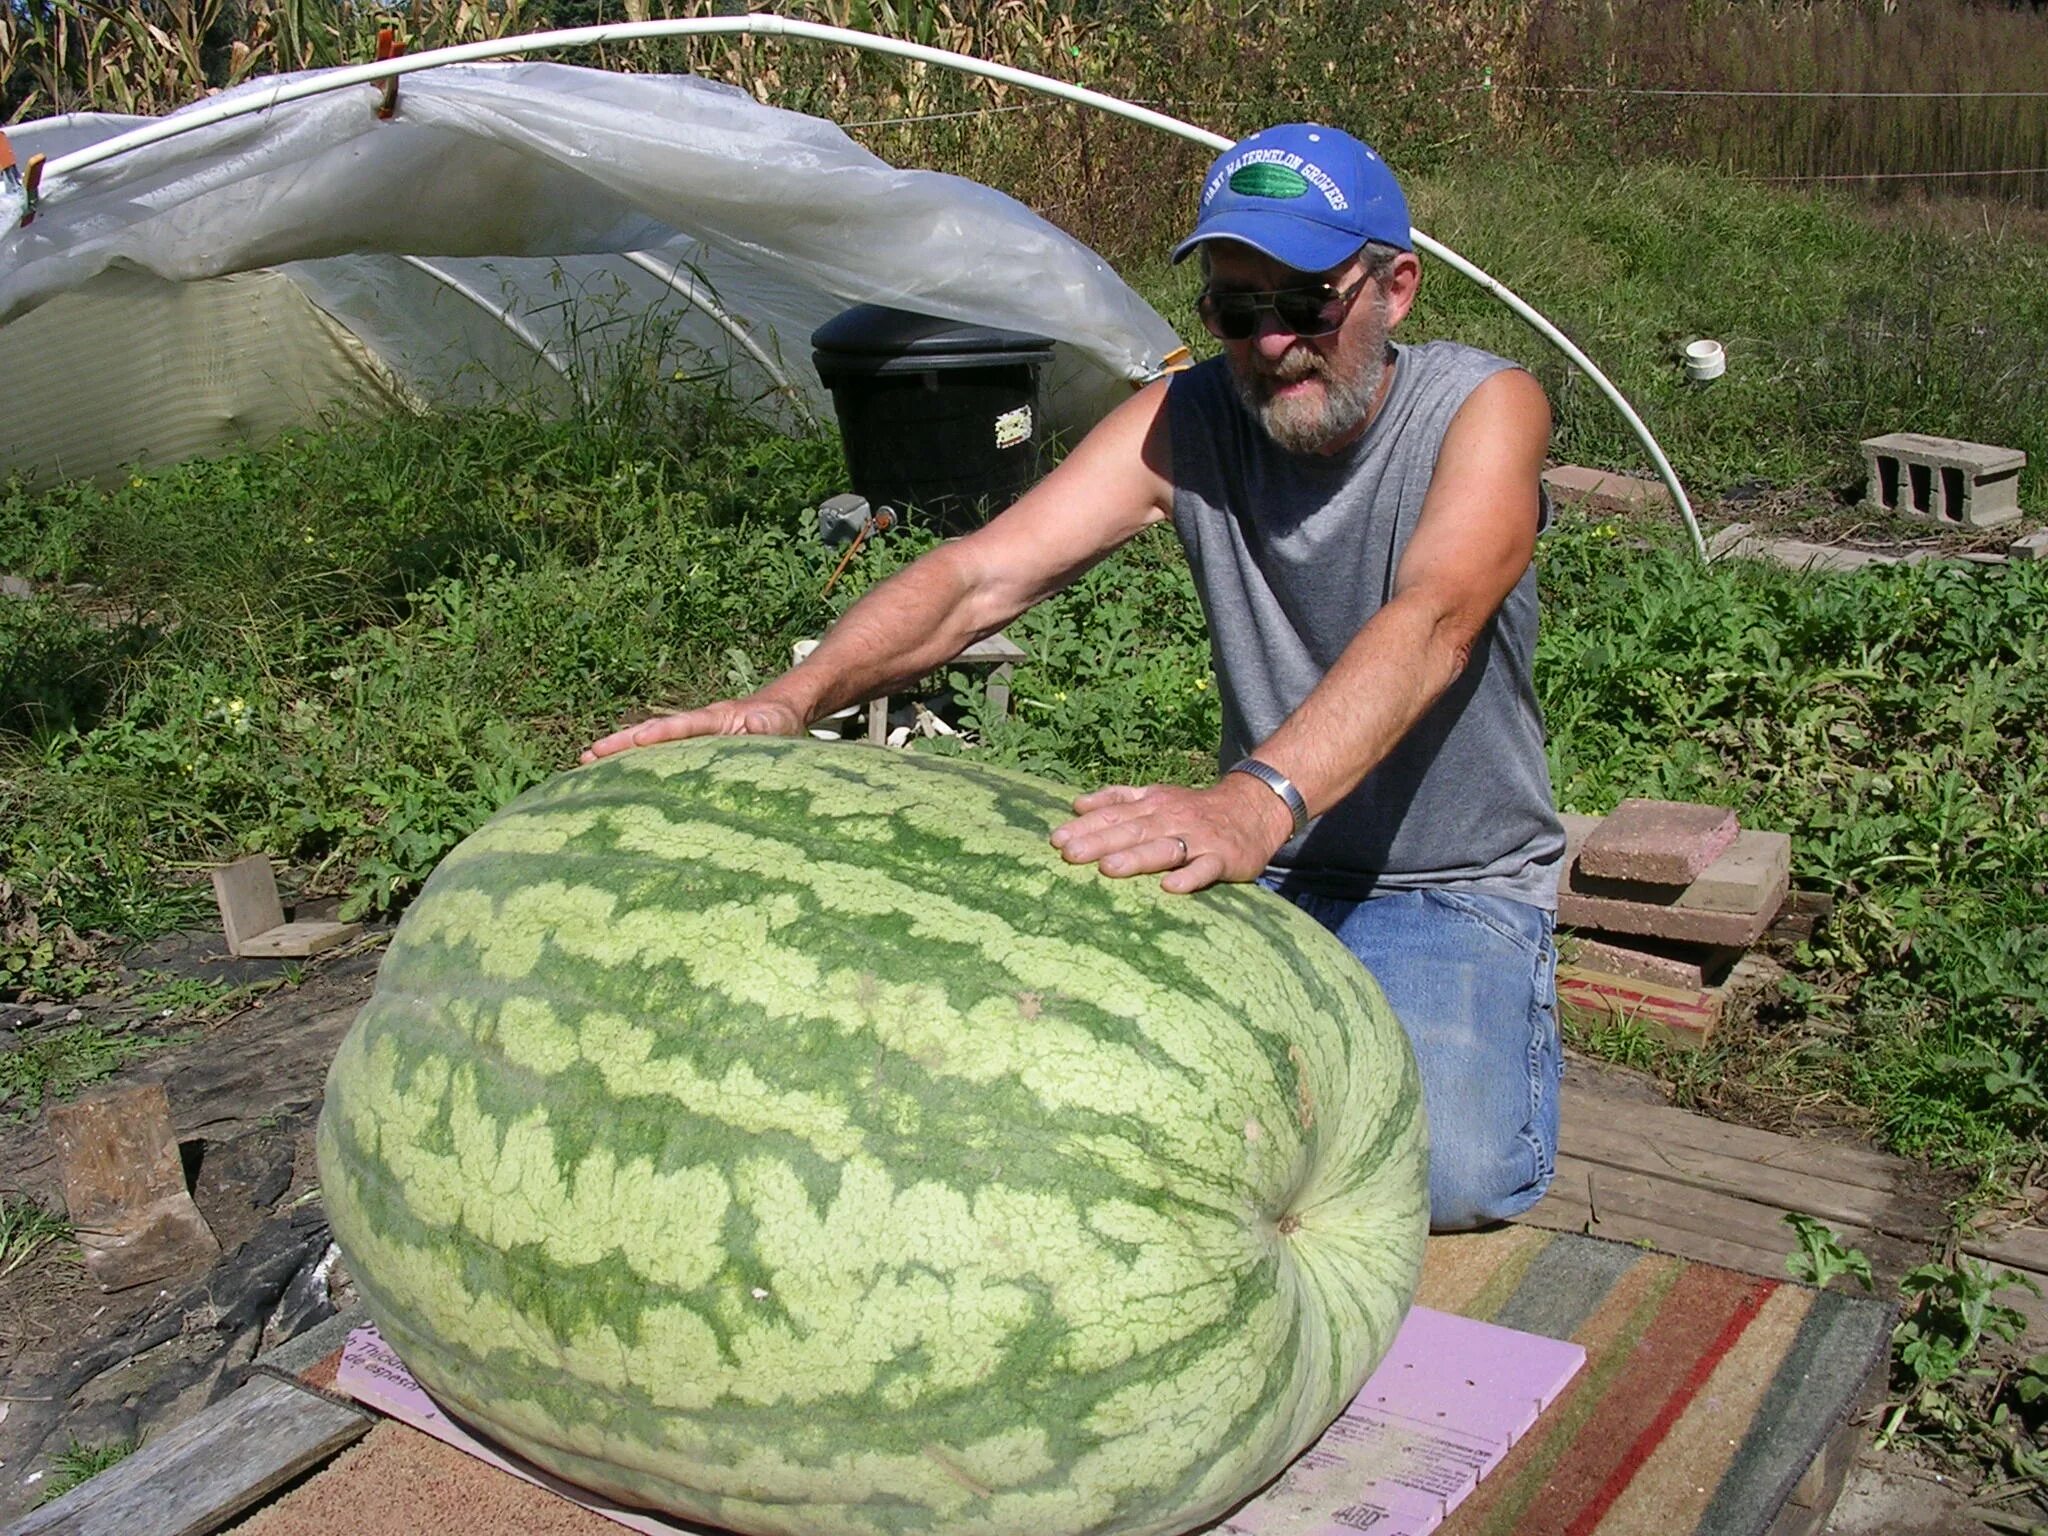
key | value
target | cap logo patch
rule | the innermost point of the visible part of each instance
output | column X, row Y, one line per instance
column 1268, row 180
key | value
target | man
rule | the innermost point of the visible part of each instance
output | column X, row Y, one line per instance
column 1360, row 520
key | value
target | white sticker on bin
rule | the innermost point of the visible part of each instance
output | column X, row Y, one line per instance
column 1013, row 427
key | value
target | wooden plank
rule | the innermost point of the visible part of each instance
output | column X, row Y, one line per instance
column 293, row 939
column 997, row 647
column 2021, row 1248
column 1616, row 1219
column 1613, row 1193
column 1797, row 1154
column 1621, row 1147
column 198, row 1475
column 246, row 892
column 124, row 1187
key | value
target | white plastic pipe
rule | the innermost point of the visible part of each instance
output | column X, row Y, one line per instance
column 671, row 273
column 500, row 312
column 242, row 105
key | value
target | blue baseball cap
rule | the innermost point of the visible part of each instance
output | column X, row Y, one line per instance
column 1303, row 194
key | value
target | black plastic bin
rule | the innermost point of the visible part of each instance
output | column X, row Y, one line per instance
column 942, row 420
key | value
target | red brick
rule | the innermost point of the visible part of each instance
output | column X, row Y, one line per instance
column 1730, row 904
column 1668, row 965
column 1657, row 842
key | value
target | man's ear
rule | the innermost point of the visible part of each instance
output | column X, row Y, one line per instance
column 1401, row 283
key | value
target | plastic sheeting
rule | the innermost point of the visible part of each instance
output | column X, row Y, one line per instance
column 515, row 229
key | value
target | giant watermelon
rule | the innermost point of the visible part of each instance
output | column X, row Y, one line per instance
column 783, row 1136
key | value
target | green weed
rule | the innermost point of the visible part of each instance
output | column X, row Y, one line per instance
column 27, row 1227
column 1949, row 1394
column 57, row 1064
column 1822, row 1256
column 184, row 994
column 77, row 1463
column 1953, row 1392
column 1612, row 1034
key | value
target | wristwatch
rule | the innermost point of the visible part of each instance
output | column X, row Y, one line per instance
column 1281, row 785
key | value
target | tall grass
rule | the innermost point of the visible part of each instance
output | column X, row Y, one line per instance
column 1431, row 85
column 1819, row 91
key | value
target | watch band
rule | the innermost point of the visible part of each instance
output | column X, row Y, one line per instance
column 1281, row 785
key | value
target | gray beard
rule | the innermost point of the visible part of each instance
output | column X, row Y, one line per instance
column 1302, row 426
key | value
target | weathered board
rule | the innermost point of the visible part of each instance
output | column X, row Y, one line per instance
column 196, row 1477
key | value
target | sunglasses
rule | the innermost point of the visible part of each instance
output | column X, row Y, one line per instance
column 1315, row 311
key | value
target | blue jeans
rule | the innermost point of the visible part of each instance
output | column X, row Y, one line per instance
column 1473, row 981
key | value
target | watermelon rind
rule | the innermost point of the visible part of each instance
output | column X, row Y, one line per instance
column 783, row 1136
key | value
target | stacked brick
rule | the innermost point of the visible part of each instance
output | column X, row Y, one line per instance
column 1661, row 901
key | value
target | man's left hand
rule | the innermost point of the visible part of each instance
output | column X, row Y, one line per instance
column 1229, row 831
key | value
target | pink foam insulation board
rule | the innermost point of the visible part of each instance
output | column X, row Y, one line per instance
column 1447, row 1403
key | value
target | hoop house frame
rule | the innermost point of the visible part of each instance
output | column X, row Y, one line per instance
column 345, row 77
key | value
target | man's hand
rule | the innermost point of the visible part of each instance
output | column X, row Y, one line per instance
column 754, row 716
column 1229, row 831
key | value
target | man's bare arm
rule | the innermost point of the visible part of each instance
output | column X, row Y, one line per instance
column 1113, row 485
column 1475, row 537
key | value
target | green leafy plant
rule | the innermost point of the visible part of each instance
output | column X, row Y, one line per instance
column 2010, row 1083
column 183, row 994
column 1952, row 1314
column 56, row 1064
column 1822, row 1256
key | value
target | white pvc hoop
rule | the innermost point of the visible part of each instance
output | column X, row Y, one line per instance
column 502, row 313
column 243, row 105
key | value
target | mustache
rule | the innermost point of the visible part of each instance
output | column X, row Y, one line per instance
column 1294, row 366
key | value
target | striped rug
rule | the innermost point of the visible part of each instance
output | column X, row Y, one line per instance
column 1705, row 1396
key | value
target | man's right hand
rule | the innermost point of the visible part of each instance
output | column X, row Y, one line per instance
column 751, row 716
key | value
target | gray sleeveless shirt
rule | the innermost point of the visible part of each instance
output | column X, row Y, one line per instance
column 1292, row 553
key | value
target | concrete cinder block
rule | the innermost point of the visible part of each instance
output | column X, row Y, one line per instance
column 1943, row 479
column 1605, row 491
column 1657, row 842
column 2033, row 547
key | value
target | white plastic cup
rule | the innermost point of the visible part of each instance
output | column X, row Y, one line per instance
column 1704, row 361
